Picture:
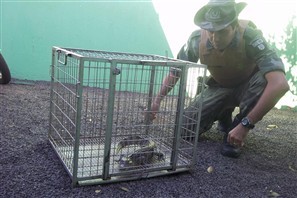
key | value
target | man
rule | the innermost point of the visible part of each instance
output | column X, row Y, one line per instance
column 244, row 72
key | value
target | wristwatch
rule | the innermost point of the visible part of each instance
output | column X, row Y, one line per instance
column 246, row 123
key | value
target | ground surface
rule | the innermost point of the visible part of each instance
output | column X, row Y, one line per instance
column 30, row 167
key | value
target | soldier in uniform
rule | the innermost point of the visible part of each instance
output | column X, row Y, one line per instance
column 244, row 72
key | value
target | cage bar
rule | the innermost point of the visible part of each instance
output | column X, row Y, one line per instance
column 98, row 106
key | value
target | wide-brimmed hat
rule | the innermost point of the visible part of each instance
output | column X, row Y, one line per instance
column 218, row 14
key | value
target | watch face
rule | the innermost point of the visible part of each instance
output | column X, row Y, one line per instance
column 244, row 121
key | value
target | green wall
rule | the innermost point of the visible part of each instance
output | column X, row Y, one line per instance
column 29, row 29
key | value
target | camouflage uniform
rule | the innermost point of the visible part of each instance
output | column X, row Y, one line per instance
column 220, row 100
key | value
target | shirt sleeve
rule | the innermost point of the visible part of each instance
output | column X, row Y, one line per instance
column 258, row 49
column 189, row 51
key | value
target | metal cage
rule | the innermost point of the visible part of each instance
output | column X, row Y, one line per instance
column 98, row 106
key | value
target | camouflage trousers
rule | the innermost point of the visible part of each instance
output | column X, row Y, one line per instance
column 218, row 103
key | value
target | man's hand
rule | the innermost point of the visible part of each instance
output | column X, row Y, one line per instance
column 168, row 83
column 237, row 135
column 151, row 115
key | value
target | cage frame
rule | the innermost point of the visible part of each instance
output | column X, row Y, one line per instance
column 106, row 177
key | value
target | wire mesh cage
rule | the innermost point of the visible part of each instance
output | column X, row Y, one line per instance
column 99, row 104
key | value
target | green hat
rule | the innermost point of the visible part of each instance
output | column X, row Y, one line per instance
column 218, row 14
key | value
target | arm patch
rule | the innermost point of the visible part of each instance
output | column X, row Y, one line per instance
column 258, row 49
column 258, row 43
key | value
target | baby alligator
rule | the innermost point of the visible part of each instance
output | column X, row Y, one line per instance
column 144, row 155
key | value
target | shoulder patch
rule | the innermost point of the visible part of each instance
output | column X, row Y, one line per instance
column 259, row 43
column 254, row 37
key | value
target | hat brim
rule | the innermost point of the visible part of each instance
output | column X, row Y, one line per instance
column 200, row 21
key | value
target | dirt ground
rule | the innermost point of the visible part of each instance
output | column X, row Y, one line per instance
column 30, row 167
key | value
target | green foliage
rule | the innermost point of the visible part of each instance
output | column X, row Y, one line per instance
column 287, row 49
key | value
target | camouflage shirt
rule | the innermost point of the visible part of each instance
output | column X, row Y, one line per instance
column 257, row 49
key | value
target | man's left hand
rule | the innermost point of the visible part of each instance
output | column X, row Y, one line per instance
column 237, row 135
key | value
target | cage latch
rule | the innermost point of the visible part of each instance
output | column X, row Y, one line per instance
column 116, row 71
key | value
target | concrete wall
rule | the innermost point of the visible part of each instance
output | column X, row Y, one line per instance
column 29, row 29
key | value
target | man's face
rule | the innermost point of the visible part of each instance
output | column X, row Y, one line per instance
column 221, row 39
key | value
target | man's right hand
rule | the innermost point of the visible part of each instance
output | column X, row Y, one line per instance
column 151, row 115
column 168, row 83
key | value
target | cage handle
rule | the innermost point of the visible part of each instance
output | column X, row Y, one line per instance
column 63, row 61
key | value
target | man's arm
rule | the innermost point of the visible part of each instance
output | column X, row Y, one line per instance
column 168, row 83
column 273, row 70
column 189, row 52
column 276, row 87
